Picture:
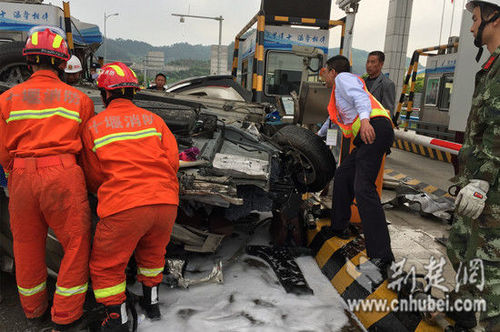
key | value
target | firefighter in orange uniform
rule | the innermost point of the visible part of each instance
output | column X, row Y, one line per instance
column 131, row 160
column 41, row 123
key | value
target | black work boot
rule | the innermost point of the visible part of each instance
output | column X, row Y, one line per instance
column 38, row 323
column 116, row 319
column 149, row 302
column 464, row 320
column 77, row 325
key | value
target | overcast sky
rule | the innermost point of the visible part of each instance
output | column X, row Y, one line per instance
column 151, row 20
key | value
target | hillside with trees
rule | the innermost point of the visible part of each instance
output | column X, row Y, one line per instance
column 195, row 57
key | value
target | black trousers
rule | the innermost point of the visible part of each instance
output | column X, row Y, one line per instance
column 355, row 178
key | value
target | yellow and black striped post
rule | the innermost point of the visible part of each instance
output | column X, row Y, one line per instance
column 342, row 35
column 411, row 95
column 67, row 25
column 258, row 63
column 234, row 69
column 412, row 73
column 403, row 91
column 237, row 41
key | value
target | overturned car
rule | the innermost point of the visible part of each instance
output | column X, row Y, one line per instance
column 242, row 164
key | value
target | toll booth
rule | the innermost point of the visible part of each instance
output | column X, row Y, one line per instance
column 434, row 113
column 266, row 60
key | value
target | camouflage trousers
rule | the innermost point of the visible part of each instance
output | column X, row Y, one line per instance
column 471, row 239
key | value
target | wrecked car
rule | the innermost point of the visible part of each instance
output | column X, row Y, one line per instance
column 239, row 167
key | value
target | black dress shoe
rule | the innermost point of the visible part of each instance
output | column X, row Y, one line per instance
column 464, row 320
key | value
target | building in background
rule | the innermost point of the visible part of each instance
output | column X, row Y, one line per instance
column 155, row 60
column 218, row 62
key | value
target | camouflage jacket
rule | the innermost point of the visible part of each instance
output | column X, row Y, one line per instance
column 479, row 157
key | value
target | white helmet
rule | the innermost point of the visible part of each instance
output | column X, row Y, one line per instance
column 73, row 66
column 470, row 3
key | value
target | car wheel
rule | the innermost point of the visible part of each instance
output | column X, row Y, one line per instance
column 307, row 157
column 13, row 67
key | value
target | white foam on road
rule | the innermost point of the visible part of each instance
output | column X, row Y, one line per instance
column 251, row 299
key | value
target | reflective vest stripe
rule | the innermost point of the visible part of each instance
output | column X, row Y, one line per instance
column 32, row 291
column 45, row 113
column 71, row 291
column 352, row 129
column 149, row 272
column 110, row 291
column 100, row 142
column 356, row 125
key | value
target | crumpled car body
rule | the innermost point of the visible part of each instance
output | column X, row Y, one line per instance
column 239, row 168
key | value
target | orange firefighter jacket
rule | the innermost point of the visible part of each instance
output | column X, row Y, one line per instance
column 130, row 158
column 42, row 117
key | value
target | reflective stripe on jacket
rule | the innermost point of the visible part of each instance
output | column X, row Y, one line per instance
column 352, row 129
column 42, row 117
column 130, row 158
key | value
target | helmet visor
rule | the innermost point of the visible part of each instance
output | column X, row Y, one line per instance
column 54, row 29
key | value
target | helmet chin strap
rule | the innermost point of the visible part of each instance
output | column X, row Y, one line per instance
column 478, row 41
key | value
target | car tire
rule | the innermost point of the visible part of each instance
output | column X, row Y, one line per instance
column 309, row 160
column 13, row 67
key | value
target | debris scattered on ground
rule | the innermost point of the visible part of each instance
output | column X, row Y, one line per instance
column 281, row 260
column 176, row 269
column 422, row 202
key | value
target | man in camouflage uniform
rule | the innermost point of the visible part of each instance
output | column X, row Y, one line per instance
column 476, row 230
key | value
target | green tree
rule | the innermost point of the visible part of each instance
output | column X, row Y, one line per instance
column 419, row 84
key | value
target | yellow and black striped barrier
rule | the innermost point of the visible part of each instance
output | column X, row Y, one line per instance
column 412, row 73
column 422, row 150
column 304, row 21
column 417, row 184
column 338, row 259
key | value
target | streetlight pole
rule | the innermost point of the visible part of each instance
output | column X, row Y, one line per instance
column 217, row 18
column 350, row 7
column 218, row 46
column 105, row 42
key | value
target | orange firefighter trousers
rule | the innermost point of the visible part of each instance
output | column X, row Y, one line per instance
column 145, row 229
column 50, row 192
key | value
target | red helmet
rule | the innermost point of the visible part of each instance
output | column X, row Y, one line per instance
column 47, row 42
column 117, row 75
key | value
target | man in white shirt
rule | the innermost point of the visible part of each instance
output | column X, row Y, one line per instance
column 362, row 118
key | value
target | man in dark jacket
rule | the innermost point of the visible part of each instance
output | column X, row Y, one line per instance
column 379, row 85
